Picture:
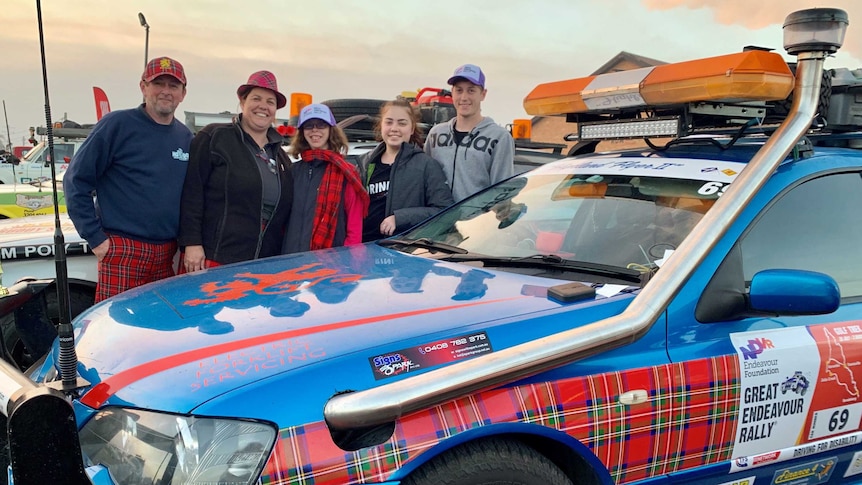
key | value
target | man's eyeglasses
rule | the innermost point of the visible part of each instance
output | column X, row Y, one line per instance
column 315, row 125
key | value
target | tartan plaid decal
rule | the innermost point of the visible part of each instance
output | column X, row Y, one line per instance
column 688, row 421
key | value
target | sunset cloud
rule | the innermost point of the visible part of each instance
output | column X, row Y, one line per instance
column 765, row 13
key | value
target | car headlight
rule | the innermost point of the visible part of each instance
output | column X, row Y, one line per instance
column 147, row 448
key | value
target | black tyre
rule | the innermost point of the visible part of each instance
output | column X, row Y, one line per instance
column 345, row 108
column 782, row 108
column 80, row 298
column 489, row 462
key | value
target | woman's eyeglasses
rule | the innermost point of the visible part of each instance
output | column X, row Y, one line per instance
column 315, row 125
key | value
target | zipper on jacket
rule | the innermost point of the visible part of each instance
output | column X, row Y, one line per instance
column 274, row 209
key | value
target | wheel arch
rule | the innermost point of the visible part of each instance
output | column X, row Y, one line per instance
column 567, row 453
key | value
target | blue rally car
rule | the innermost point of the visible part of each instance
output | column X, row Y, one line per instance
column 620, row 317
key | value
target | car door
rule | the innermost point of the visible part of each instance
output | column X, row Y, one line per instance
column 786, row 400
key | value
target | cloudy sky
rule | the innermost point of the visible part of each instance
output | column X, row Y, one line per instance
column 361, row 48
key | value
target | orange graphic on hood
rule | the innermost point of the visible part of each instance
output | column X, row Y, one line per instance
column 270, row 284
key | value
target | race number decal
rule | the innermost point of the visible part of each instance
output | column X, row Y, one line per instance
column 835, row 420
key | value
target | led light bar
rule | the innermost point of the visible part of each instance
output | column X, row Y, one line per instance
column 663, row 127
column 743, row 77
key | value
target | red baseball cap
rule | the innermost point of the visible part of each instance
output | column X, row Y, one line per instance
column 164, row 66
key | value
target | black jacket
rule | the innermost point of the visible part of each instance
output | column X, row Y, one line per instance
column 417, row 185
column 223, row 197
column 307, row 177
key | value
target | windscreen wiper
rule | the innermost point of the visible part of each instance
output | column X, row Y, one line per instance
column 424, row 242
column 552, row 261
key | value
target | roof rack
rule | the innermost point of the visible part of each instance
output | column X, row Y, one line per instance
column 65, row 132
column 724, row 95
column 540, row 145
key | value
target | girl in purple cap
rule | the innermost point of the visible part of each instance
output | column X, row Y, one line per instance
column 239, row 190
column 329, row 200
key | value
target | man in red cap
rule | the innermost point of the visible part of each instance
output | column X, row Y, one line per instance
column 123, row 185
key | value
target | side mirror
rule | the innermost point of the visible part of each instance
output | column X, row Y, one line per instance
column 793, row 292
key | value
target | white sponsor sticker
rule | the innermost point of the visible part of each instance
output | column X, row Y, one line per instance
column 855, row 466
column 779, row 370
column 679, row 168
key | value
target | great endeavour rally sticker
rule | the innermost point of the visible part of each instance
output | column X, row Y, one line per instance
column 428, row 355
column 800, row 392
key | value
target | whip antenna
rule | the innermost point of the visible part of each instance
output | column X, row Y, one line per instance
column 68, row 360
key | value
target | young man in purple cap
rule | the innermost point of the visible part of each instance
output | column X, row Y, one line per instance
column 123, row 185
column 474, row 151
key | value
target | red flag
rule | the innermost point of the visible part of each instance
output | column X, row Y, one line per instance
column 103, row 107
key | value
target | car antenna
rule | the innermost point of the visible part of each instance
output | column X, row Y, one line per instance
column 68, row 359
column 8, row 134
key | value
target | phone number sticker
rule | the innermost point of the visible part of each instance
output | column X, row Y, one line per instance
column 841, row 419
column 431, row 354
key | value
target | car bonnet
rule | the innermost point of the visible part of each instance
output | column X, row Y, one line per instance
column 156, row 346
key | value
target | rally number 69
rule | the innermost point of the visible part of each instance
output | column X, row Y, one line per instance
column 712, row 188
column 838, row 420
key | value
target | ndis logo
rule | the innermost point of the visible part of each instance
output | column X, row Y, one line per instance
column 755, row 347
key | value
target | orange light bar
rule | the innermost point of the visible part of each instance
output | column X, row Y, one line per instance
column 745, row 76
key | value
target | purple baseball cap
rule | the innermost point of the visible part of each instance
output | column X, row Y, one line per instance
column 316, row 110
column 468, row 72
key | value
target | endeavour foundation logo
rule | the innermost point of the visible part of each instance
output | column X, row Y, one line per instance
column 755, row 347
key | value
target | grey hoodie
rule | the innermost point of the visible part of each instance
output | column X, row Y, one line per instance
column 485, row 156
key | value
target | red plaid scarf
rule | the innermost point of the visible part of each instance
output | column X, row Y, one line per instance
column 329, row 195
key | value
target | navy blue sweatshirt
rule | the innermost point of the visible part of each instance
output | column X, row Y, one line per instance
column 136, row 168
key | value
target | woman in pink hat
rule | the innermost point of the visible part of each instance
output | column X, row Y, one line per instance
column 329, row 199
column 238, row 190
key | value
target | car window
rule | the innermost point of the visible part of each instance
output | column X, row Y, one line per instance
column 823, row 221
column 62, row 151
column 622, row 220
column 39, row 154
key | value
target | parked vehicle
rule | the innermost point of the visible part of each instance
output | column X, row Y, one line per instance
column 27, row 257
column 21, row 150
column 30, row 199
column 35, row 165
column 622, row 317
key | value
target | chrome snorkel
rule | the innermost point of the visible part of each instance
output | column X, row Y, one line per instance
column 811, row 35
